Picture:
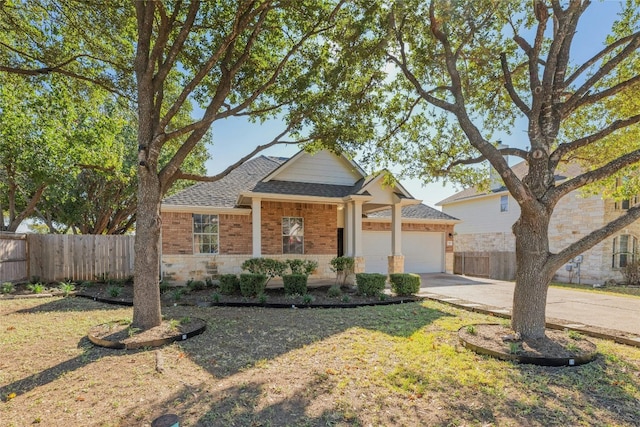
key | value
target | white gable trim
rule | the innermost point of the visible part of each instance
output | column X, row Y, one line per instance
column 359, row 173
column 397, row 185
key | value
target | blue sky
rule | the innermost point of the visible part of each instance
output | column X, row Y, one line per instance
column 236, row 137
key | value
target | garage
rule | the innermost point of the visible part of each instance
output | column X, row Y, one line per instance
column 423, row 251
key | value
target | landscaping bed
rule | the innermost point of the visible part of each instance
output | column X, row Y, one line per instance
column 317, row 296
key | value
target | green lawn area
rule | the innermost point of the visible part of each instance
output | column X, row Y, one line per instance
column 615, row 290
column 398, row 365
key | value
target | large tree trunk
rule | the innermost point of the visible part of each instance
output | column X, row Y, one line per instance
column 146, row 290
column 532, row 275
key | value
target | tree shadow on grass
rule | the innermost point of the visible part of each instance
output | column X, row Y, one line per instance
column 89, row 355
column 58, row 304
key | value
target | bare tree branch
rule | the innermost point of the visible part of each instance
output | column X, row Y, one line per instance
column 508, row 84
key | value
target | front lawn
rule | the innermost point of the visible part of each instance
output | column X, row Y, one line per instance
column 387, row 365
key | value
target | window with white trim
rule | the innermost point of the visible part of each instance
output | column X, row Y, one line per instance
column 625, row 248
column 292, row 235
column 205, row 234
column 504, row 203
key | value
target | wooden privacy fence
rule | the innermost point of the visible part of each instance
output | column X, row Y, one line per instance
column 493, row 265
column 54, row 257
column 13, row 258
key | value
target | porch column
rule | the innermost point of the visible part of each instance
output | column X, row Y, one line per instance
column 256, row 227
column 396, row 229
column 357, row 239
column 348, row 229
column 396, row 259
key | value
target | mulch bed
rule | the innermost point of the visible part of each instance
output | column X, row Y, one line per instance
column 275, row 298
column 556, row 348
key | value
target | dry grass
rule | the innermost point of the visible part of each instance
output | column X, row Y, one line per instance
column 394, row 365
column 611, row 290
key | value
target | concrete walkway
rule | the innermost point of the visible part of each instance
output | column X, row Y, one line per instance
column 578, row 308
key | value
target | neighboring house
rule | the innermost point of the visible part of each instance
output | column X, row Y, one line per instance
column 487, row 218
column 310, row 207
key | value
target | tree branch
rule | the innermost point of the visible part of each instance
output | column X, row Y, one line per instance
column 508, row 84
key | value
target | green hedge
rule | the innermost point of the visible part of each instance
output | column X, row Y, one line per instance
column 404, row 284
column 229, row 284
column 370, row 284
column 295, row 284
column 252, row 284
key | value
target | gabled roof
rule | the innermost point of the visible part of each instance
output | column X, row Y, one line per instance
column 258, row 176
column 224, row 193
column 564, row 171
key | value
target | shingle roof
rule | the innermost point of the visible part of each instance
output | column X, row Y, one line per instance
column 248, row 177
column 564, row 170
column 420, row 211
column 224, row 193
column 303, row 189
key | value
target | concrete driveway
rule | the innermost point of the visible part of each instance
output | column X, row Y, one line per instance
column 579, row 307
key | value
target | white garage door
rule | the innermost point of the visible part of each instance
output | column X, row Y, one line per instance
column 423, row 252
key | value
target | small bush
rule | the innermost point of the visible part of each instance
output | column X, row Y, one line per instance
column 404, row 284
column 7, row 288
column 209, row 282
column 262, row 298
column 229, row 284
column 36, row 288
column 196, row 285
column 295, row 284
column 252, row 284
column 631, row 273
column 307, row 299
column 343, row 266
column 114, row 291
column 66, row 288
column 370, row 284
column 215, row 297
column 334, row 291
column 177, row 294
column 164, row 286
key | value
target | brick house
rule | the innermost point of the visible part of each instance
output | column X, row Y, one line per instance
column 310, row 207
column 487, row 218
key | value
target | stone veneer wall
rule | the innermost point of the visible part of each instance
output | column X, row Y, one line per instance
column 180, row 268
column 574, row 217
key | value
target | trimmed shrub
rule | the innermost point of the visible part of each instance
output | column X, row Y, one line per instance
column 267, row 266
column 404, row 284
column 229, row 284
column 295, row 284
column 252, row 284
column 301, row 266
column 370, row 284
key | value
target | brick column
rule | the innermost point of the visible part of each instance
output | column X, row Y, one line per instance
column 396, row 264
column 359, row 264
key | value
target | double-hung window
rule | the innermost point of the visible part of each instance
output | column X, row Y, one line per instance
column 625, row 248
column 205, row 234
column 292, row 235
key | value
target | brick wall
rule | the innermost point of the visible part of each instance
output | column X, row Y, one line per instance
column 177, row 233
column 320, row 226
column 235, row 234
